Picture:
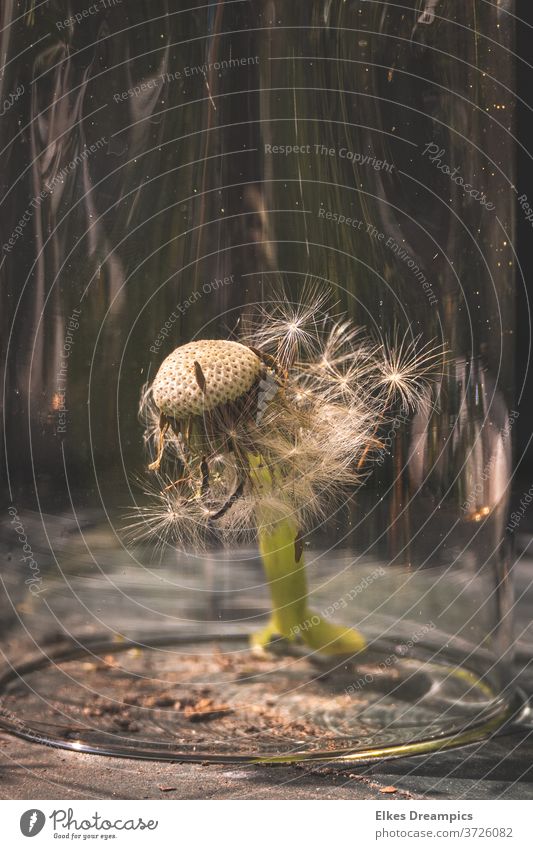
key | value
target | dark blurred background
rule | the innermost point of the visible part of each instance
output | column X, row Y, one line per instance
column 524, row 444
column 65, row 59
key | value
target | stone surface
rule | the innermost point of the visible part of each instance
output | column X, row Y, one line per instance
column 497, row 768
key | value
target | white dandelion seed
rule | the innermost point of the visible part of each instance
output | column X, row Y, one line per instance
column 408, row 369
column 286, row 329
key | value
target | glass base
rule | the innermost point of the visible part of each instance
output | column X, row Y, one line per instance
column 200, row 698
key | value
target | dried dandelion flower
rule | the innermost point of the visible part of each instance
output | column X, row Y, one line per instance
column 262, row 436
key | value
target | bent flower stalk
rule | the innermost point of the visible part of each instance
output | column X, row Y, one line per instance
column 263, row 436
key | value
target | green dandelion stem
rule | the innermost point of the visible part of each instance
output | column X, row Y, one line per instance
column 284, row 565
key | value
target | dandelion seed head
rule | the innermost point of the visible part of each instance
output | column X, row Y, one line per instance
column 283, row 423
column 200, row 376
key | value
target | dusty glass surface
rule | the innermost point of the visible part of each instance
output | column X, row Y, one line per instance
column 162, row 170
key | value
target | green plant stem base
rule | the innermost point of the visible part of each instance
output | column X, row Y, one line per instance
column 284, row 566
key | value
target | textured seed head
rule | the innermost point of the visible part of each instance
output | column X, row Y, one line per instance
column 200, row 376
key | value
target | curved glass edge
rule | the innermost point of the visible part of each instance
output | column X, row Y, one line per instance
column 505, row 717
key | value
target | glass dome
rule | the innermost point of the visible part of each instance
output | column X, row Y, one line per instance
column 216, row 173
